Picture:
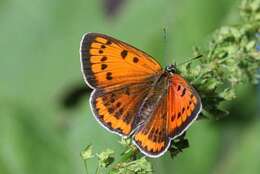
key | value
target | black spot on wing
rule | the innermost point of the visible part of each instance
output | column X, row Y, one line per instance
column 103, row 66
column 172, row 118
column 135, row 59
column 109, row 42
column 183, row 92
column 118, row 104
column 124, row 54
column 109, row 76
column 183, row 109
column 104, row 58
column 111, row 110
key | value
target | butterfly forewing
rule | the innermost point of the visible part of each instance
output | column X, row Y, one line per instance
column 183, row 106
column 109, row 62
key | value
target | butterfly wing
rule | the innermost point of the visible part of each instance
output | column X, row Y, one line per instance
column 117, row 109
column 120, row 75
column 108, row 62
column 168, row 112
column 151, row 138
column 183, row 106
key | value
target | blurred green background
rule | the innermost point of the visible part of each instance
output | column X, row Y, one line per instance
column 39, row 65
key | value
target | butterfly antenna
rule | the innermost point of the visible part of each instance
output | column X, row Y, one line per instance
column 165, row 43
column 189, row 60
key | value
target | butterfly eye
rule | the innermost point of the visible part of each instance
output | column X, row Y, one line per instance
column 170, row 68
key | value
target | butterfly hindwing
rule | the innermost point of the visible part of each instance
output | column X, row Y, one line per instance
column 183, row 106
column 151, row 138
column 109, row 62
column 117, row 109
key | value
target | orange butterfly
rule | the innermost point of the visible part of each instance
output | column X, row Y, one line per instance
column 134, row 96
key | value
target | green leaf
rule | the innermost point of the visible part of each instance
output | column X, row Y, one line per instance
column 87, row 153
column 106, row 158
column 139, row 166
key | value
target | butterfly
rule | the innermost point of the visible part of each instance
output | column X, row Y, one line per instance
column 133, row 96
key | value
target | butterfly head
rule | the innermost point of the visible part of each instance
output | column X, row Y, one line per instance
column 171, row 68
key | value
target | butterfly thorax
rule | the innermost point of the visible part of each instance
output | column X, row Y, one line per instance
column 155, row 95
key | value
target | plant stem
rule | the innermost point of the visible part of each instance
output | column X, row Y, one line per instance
column 86, row 166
